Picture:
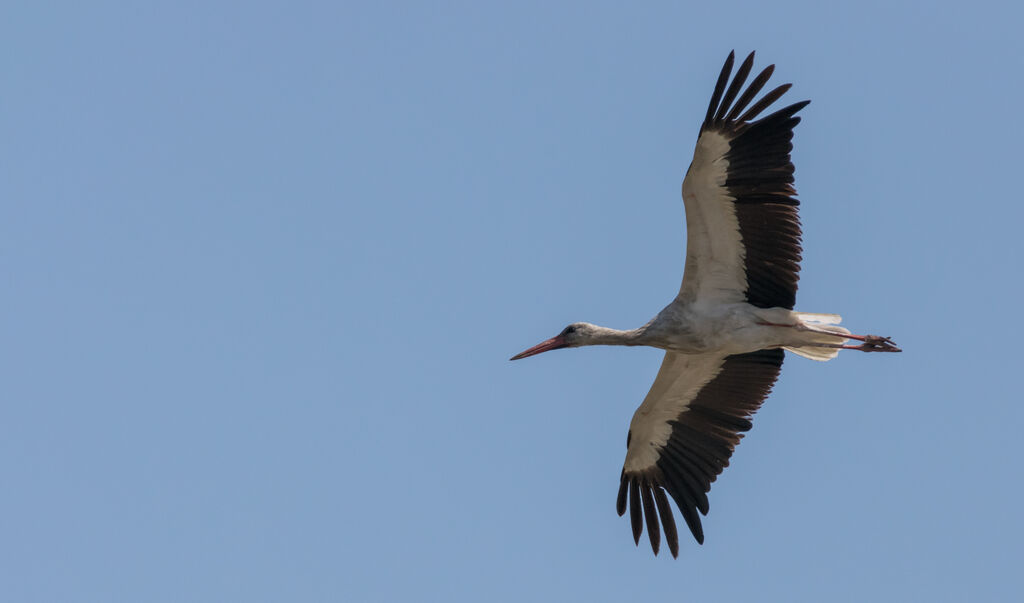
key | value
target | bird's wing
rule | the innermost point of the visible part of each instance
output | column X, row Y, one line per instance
column 742, row 227
column 683, row 434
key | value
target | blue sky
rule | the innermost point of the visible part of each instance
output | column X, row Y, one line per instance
column 264, row 265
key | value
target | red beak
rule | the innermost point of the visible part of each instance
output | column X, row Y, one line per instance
column 554, row 343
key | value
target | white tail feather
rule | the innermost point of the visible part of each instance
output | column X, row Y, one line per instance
column 823, row 329
column 814, row 353
column 823, row 319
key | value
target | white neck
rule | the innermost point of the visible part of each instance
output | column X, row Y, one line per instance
column 604, row 336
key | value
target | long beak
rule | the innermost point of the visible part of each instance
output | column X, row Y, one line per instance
column 554, row 343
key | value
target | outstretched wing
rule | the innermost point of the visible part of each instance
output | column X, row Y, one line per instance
column 742, row 227
column 682, row 435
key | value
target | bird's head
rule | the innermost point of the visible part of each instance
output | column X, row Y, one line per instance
column 574, row 335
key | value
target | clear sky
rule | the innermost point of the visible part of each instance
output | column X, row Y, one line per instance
column 264, row 265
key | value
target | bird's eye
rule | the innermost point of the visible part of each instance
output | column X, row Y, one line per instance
column 569, row 330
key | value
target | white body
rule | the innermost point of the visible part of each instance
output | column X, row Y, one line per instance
column 738, row 328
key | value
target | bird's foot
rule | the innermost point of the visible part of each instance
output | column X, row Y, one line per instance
column 873, row 343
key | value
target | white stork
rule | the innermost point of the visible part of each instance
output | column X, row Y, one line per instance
column 725, row 332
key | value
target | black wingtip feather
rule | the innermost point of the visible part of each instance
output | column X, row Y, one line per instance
column 751, row 91
column 787, row 113
column 690, row 517
column 734, row 88
column 764, row 103
column 723, row 79
column 620, row 500
column 653, row 531
column 635, row 513
column 669, row 522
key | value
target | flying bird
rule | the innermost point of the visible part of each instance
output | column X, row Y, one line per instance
column 725, row 332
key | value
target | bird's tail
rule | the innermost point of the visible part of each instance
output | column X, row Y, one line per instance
column 820, row 328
